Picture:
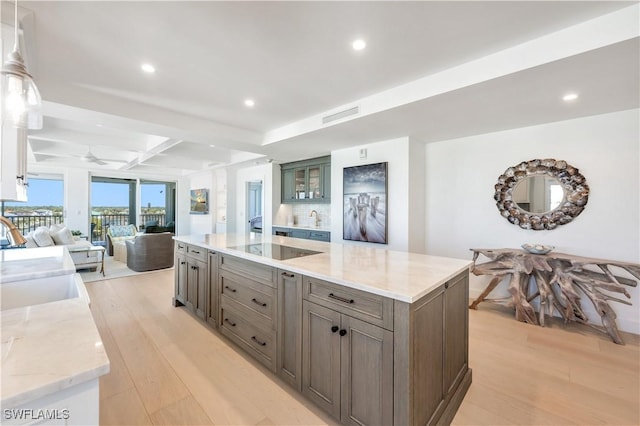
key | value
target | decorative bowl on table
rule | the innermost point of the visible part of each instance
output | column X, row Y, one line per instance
column 537, row 248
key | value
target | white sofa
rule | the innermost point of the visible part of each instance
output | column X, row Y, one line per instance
column 60, row 235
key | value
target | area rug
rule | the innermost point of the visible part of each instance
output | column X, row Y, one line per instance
column 112, row 268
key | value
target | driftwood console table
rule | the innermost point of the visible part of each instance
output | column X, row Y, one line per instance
column 557, row 280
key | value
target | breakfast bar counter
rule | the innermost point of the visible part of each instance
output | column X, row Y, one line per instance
column 371, row 336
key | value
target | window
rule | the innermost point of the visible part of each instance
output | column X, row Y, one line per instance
column 43, row 208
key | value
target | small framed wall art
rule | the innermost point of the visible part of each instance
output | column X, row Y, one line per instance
column 199, row 201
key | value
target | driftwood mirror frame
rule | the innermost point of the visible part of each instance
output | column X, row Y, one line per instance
column 576, row 194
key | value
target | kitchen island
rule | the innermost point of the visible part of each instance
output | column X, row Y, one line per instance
column 52, row 353
column 370, row 335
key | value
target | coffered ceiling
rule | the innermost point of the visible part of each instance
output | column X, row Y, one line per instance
column 431, row 70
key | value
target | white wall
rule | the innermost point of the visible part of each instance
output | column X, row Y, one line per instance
column 402, row 233
column 461, row 212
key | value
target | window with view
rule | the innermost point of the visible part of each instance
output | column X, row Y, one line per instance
column 43, row 208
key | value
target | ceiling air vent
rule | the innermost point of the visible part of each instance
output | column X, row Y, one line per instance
column 339, row 115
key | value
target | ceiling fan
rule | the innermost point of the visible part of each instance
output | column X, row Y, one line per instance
column 89, row 157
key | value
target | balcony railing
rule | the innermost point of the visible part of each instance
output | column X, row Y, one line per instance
column 27, row 224
column 160, row 217
column 99, row 222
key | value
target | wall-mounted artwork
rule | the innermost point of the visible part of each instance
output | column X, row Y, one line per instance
column 365, row 203
column 199, row 201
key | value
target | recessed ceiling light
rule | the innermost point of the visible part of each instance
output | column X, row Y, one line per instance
column 249, row 103
column 212, row 146
column 359, row 44
column 570, row 97
column 148, row 68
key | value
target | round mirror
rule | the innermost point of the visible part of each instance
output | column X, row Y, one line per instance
column 541, row 194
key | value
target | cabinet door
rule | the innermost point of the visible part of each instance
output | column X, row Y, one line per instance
column 288, row 186
column 367, row 373
column 196, row 286
column 321, row 357
column 212, row 306
column 456, row 321
column 181, row 279
column 300, row 183
column 326, row 183
column 314, row 182
column 289, row 357
column 428, row 359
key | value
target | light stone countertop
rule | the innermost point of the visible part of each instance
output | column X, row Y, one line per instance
column 47, row 347
column 399, row 275
column 23, row 264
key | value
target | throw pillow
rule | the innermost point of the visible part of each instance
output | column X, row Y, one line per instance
column 31, row 243
column 56, row 227
column 42, row 237
column 63, row 236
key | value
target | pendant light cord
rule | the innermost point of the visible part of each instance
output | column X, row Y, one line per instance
column 16, row 47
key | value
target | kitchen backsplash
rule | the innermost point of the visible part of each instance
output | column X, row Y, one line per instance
column 301, row 214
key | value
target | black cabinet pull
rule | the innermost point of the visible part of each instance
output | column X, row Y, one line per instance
column 182, row 263
column 343, row 332
column 342, row 299
column 258, row 303
column 284, row 274
column 195, row 251
column 258, row 341
column 231, row 323
column 446, row 285
column 334, row 328
column 232, row 290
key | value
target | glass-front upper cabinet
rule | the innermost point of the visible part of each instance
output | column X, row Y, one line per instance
column 307, row 181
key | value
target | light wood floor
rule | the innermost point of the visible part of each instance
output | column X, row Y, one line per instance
column 168, row 368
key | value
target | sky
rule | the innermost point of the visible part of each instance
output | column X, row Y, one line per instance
column 46, row 192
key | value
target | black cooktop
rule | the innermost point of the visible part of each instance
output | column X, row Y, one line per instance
column 275, row 251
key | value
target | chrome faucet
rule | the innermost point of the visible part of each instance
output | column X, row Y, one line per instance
column 17, row 238
column 311, row 215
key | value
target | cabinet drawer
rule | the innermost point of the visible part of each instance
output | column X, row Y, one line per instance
column 262, row 273
column 197, row 252
column 368, row 307
column 181, row 247
column 257, row 342
column 256, row 297
column 299, row 233
column 320, row 236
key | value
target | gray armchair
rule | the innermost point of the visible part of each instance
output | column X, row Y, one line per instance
column 149, row 252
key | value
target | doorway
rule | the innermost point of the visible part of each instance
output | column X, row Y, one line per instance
column 254, row 206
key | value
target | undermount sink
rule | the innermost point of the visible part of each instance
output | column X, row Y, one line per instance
column 18, row 294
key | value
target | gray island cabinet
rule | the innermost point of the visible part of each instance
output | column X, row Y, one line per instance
column 390, row 347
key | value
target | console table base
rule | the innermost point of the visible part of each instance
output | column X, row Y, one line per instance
column 557, row 280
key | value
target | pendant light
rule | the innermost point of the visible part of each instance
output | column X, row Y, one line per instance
column 22, row 104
